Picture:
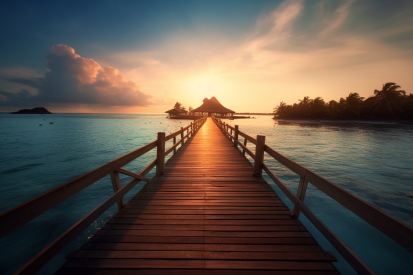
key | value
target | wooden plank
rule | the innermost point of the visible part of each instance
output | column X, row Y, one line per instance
column 206, row 213
column 207, row 255
column 89, row 271
column 189, row 264
column 206, row 207
column 199, row 247
column 275, row 265
column 135, row 263
column 199, row 240
column 129, row 220
column 195, row 233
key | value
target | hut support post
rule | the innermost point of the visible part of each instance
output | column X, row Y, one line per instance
column 259, row 156
column 160, row 154
column 114, row 175
column 236, row 137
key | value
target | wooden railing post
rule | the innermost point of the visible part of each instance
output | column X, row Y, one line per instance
column 192, row 130
column 160, row 154
column 259, row 156
column 302, row 188
column 114, row 175
column 236, row 137
column 245, row 144
column 182, row 135
column 174, row 144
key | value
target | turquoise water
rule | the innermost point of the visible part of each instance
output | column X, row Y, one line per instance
column 373, row 162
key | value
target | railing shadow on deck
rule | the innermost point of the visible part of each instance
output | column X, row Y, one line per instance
column 391, row 227
column 20, row 215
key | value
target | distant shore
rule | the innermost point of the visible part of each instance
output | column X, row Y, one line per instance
column 341, row 122
column 256, row 114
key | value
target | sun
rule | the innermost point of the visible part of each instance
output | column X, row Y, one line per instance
column 204, row 85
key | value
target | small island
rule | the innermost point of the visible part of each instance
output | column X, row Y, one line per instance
column 37, row 110
column 209, row 107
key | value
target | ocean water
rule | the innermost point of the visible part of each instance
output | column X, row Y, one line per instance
column 372, row 161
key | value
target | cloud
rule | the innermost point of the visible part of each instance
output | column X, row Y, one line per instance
column 300, row 48
column 7, row 94
column 276, row 27
column 72, row 79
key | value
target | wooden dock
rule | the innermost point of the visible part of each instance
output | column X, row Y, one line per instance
column 207, row 211
column 206, row 214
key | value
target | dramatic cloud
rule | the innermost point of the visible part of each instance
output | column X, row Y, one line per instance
column 301, row 48
column 288, row 50
column 72, row 79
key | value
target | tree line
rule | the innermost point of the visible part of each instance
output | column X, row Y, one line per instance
column 179, row 106
column 388, row 103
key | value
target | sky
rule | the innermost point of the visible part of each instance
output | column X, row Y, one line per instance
column 143, row 56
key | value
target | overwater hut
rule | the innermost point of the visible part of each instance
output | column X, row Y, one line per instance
column 176, row 112
column 213, row 107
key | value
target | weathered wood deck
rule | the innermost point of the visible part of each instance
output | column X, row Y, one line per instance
column 206, row 214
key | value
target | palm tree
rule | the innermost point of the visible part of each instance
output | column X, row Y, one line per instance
column 178, row 105
column 353, row 106
column 319, row 108
column 387, row 100
column 280, row 111
column 408, row 106
column 305, row 107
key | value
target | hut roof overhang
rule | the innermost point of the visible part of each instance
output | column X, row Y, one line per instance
column 212, row 106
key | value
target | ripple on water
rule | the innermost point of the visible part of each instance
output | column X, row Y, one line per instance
column 374, row 162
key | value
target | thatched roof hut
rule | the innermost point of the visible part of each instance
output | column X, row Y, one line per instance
column 176, row 112
column 213, row 106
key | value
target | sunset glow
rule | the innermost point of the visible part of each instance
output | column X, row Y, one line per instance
column 251, row 55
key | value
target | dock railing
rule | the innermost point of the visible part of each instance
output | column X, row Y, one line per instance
column 393, row 228
column 20, row 215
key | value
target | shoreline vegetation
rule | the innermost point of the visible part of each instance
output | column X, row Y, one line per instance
column 388, row 104
column 258, row 114
column 344, row 122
